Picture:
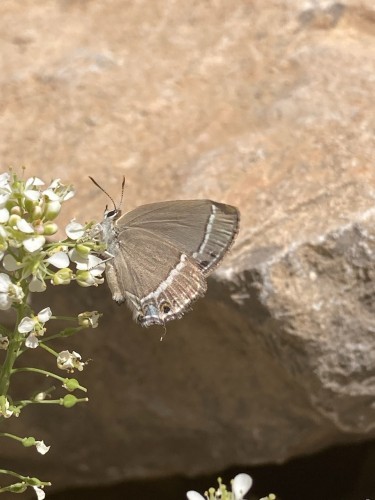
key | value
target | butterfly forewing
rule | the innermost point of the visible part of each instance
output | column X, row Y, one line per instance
column 203, row 229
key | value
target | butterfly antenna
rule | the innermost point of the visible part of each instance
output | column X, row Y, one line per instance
column 122, row 189
column 105, row 192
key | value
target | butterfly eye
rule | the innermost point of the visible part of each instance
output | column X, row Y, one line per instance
column 111, row 213
column 165, row 307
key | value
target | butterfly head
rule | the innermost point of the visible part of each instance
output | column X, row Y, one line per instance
column 112, row 214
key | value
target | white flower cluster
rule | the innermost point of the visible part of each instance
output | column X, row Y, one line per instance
column 27, row 212
column 241, row 484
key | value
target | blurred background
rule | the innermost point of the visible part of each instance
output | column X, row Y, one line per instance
column 264, row 104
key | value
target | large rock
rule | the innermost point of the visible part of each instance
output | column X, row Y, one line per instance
column 264, row 106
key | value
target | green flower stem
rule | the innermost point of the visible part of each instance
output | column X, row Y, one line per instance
column 66, row 318
column 48, row 349
column 67, row 332
column 11, row 436
column 29, row 481
column 25, row 402
column 11, row 473
column 47, row 374
column 12, row 353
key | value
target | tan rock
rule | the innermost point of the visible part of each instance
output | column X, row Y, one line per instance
column 265, row 105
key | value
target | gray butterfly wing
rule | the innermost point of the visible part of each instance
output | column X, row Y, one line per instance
column 203, row 229
column 157, row 280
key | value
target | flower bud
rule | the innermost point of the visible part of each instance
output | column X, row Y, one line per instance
column 52, row 210
column 69, row 400
column 62, row 277
column 29, row 441
column 16, row 210
column 17, row 487
column 50, row 228
column 37, row 212
column 71, row 384
column 31, row 204
column 39, row 228
column 83, row 250
column 84, row 278
column 13, row 219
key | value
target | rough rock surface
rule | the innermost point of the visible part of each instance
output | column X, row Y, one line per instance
column 266, row 105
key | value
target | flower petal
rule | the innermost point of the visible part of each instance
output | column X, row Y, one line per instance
column 10, row 263
column 41, row 447
column 44, row 315
column 59, row 260
column 32, row 194
column 5, row 302
column 26, row 325
column 4, row 215
column 74, row 230
column 33, row 181
column 24, row 226
column 4, row 282
column 77, row 257
column 241, row 484
column 34, row 243
column 4, row 198
column 51, row 195
column 31, row 342
column 94, row 264
column 194, row 495
column 39, row 493
column 37, row 285
column 4, row 180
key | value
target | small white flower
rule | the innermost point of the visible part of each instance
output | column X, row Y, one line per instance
column 59, row 191
column 9, row 292
column 4, row 342
column 59, row 260
column 89, row 319
column 241, row 484
column 41, row 447
column 41, row 396
column 69, row 360
column 39, row 493
column 34, row 243
column 35, row 327
column 74, row 230
column 4, row 409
